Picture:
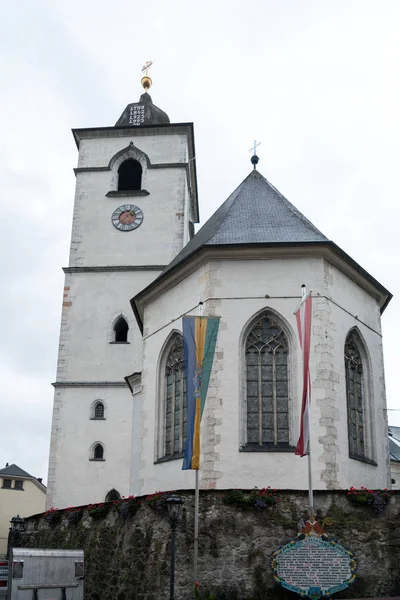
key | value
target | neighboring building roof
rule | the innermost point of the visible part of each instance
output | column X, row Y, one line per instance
column 16, row 471
column 257, row 214
column 394, row 443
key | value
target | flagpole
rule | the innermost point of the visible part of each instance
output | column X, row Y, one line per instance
column 310, row 486
column 196, row 525
column 196, row 506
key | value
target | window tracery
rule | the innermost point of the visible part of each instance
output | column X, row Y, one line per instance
column 267, row 384
column 175, row 400
column 355, row 400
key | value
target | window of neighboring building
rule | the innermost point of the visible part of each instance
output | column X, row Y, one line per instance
column 7, row 483
column 18, row 485
column 355, row 397
column 267, row 393
column 130, row 175
column 121, row 329
column 98, row 452
column 175, row 403
column 99, row 410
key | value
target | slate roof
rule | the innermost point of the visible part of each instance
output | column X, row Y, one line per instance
column 394, row 443
column 143, row 112
column 14, row 470
column 256, row 213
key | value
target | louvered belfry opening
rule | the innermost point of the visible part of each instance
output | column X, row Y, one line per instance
column 130, row 175
column 267, row 384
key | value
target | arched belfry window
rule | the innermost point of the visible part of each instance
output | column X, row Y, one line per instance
column 121, row 329
column 175, row 399
column 266, row 352
column 130, row 175
column 355, row 396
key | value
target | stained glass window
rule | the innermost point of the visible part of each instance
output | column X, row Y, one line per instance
column 354, row 393
column 267, row 384
column 175, row 400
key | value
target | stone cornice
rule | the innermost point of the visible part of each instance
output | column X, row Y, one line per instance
column 115, row 268
column 89, row 384
column 150, row 166
column 324, row 250
column 127, row 193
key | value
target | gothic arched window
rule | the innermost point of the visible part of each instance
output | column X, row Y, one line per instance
column 98, row 452
column 113, row 495
column 355, row 397
column 98, row 411
column 130, row 175
column 267, row 384
column 121, row 329
column 175, row 402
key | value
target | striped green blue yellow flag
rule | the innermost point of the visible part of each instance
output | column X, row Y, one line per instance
column 199, row 341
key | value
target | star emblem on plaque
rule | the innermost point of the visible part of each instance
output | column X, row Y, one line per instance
column 127, row 217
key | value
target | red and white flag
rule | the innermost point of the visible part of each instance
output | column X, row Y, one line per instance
column 303, row 318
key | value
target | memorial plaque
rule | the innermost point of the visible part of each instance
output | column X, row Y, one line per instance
column 314, row 565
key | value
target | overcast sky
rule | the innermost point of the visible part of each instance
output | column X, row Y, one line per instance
column 316, row 81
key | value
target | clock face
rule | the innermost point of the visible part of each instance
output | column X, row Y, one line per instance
column 127, row 217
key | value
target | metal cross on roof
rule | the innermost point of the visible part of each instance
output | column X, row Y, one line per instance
column 147, row 66
column 254, row 148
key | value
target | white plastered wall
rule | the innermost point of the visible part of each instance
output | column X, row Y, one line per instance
column 93, row 300
column 77, row 479
column 239, row 289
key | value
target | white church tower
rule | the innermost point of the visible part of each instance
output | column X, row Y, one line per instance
column 135, row 206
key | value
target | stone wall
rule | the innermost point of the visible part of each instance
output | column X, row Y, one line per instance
column 129, row 558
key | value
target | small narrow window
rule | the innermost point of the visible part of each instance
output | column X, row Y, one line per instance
column 98, row 452
column 7, row 484
column 18, row 484
column 130, row 175
column 99, row 410
column 113, row 495
column 121, row 329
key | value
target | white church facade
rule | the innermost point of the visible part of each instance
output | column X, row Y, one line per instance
column 136, row 267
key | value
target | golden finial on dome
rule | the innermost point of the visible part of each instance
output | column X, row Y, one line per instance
column 146, row 81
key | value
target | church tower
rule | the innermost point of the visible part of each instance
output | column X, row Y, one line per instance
column 135, row 206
